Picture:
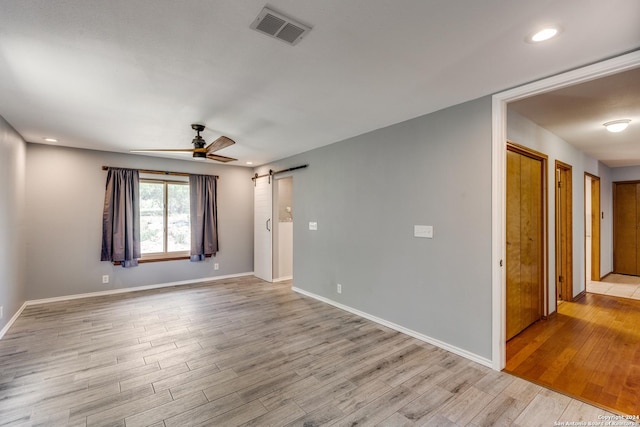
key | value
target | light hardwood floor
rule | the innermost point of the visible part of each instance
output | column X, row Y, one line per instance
column 245, row 352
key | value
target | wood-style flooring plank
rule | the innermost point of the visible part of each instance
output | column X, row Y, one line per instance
column 245, row 352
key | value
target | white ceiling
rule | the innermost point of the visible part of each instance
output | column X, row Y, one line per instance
column 122, row 74
column 577, row 115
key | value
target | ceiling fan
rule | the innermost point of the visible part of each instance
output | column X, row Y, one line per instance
column 199, row 150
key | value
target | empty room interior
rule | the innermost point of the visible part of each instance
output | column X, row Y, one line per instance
column 319, row 213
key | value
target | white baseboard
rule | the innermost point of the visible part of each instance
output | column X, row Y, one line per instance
column 135, row 289
column 443, row 345
column 13, row 319
column 282, row 279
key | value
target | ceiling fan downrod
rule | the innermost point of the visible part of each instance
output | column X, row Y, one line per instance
column 198, row 141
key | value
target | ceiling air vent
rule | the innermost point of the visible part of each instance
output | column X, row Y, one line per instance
column 279, row 26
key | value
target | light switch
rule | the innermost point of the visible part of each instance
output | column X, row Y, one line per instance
column 424, row 231
column 313, row 226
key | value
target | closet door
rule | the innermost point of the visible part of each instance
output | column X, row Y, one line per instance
column 626, row 210
column 524, row 241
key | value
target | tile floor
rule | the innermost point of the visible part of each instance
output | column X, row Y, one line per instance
column 617, row 285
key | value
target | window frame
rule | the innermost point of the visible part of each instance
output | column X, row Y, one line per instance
column 165, row 255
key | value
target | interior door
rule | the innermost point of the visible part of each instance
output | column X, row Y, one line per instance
column 525, row 237
column 262, row 226
column 626, row 208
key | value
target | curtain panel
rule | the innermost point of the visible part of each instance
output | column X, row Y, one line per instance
column 204, row 217
column 121, row 218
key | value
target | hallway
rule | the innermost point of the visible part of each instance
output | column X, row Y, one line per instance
column 590, row 350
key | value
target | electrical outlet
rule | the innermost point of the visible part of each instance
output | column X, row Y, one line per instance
column 105, row 279
column 216, row 266
column 339, row 288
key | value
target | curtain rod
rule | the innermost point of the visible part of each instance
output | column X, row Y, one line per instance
column 150, row 171
column 271, row 172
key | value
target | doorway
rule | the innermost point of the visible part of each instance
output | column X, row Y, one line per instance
column 498, row 178
column 273, row 228
column 564, row 237
column 283, row 229
column 525, row 238
column 592, row 219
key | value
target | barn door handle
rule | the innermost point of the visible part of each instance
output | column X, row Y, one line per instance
column 267, row 224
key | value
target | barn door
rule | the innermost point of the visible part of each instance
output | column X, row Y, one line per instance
column 262, row 226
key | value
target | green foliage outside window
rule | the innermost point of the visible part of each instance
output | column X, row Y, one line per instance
column 164, row 217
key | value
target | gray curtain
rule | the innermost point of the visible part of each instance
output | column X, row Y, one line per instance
column 204, row 218
column 121, row 218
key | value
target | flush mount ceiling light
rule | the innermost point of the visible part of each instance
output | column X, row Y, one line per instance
column 249, row 163
column 543, row 35
column 50, row 139
column 617, row 125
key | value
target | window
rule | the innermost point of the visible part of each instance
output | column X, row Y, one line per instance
column 164, row 218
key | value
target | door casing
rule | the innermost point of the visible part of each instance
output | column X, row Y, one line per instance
column 498, row 137
column 564, row 234
column 594, row 250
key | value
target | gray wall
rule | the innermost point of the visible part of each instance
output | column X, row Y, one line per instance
column 367, row 193
column 629, row 173
column 525, row 132
column 12, row 224
column 64, row 199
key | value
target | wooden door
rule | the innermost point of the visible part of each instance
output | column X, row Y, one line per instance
column 524, row 260
column 626, row 210
column 564, row 237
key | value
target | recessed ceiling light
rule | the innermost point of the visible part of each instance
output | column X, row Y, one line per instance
column 249, row 163
column 543, row 35
column 617, row 125
column 50, row 139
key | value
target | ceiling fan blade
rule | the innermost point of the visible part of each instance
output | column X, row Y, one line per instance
column 169, row 150
column 208, row 151
column 220, row 158
column 219, row 144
